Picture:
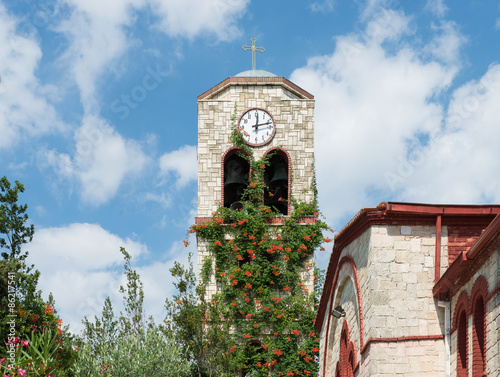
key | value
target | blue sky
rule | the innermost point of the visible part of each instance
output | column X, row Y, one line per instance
column 98, row 117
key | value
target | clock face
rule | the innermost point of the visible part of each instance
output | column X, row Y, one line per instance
column 257, row 127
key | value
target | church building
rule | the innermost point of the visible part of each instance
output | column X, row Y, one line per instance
column 413, row 290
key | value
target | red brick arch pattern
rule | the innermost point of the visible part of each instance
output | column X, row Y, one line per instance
column 346, row 259
column 474, row 305
column 478, row 309
column 347, row 356
column 460, row 315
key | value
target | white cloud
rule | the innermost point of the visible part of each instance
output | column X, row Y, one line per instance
column 458, row 164
column 81, row 265
column 96, row 35
column 437, row 7
column 24, row 109
column 324, row 6
column 103, row 159
column 446, row 45
column 372, row 104
column 76, row 264
column 192, row 18
column 183, row 163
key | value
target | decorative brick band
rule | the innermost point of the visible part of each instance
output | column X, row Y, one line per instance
column 273, row 221
column 415, row 338
column 463, row 304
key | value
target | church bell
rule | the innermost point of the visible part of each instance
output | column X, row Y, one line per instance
column 235, row 182
column 280, row 176
column 235, row 174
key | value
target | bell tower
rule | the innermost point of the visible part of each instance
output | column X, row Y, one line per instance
column 275, row 115
column 257, row 225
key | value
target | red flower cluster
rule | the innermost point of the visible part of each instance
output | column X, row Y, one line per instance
column 275, row 248
column 48, row 310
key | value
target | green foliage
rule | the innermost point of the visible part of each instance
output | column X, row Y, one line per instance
column 13, row 219
column 24, row 315
column 187, row 318
column 262, row 320
column 128, row 346
column 37, row 355
column 155, row 354
column 133, row 296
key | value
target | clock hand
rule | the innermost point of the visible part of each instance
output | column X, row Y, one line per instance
column 256, row 120
column 261, row 124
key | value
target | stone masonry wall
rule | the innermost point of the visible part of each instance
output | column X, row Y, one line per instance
column 401, row 321
column 402, row 311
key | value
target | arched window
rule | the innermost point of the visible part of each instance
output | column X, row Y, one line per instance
column 462, row 354
column 347, row 355
column 236, row 171
column 276, row 179
column 479, row 339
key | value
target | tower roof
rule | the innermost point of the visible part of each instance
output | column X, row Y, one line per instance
column 256, row 73
column 255, row 77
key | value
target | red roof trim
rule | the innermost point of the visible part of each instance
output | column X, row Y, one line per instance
column 462, row 269
column 484, row 238
column 255, row 80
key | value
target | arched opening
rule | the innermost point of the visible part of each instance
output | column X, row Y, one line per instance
column 347, row 355
column 236, row 173
column 479, row 339
column 276, row 180
column 462, row 354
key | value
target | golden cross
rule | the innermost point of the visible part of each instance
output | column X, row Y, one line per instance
column 253, row 48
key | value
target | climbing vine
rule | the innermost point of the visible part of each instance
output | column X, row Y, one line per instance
column 263, row 267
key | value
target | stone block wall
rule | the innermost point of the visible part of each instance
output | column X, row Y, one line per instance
column 399, row 329
column 401, row 277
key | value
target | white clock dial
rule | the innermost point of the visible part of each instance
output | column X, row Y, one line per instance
column 257, row 126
